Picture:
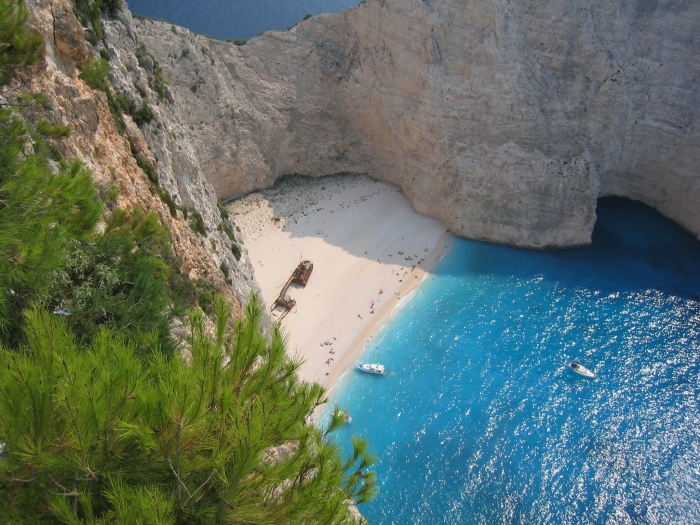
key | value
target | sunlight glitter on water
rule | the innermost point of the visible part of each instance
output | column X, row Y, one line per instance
column 480, row 420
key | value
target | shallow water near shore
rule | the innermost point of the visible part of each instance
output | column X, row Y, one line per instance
column 479, row 419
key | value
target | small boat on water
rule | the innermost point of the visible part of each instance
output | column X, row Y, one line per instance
column 372, row 368
column 581, row 370
column 346, row 417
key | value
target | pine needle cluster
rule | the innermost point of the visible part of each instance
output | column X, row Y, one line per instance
column 18, row 47
column 39, row 211
column 116, row 433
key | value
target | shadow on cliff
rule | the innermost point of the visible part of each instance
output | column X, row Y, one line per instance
column 634, row 250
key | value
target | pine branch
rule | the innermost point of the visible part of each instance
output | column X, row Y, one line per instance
column 179, row 481
column 57, row 483
column 198, row 489
column 28, row 393
column 73, row 415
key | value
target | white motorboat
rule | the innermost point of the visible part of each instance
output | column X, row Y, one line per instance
column 581, row 370
column 372, row 368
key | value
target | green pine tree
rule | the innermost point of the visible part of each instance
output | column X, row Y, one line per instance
column 18, row 47
column 115, row 433
column 120, row 280
column 39, row 211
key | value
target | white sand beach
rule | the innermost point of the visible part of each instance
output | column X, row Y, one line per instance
column 369, row 249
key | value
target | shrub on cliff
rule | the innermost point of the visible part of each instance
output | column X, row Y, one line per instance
column 143, row 115
column 89, row 12
column 197, row 223
column 119, row 281
column 126, row 277
column 117, row 433
column 18, row 47
column 39, row 211
column 94, row 74
column 50, row 129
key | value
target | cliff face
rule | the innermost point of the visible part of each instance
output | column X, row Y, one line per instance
column 505, row 119
column 110, row 154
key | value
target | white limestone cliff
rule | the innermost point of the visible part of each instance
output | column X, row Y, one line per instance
column 506, row 119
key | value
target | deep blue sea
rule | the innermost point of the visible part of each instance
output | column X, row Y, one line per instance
column 480, row 421
column 236, row 18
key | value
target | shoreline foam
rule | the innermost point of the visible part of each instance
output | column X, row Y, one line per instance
column 353, row 229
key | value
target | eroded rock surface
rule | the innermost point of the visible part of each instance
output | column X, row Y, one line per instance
column 213, row 258
column 69, row 36
column 505, row 119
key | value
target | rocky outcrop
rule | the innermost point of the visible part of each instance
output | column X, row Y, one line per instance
column 505, row 119
column 68, row 34
column 110, row 153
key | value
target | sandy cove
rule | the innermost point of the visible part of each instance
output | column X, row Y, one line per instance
column 369, row 249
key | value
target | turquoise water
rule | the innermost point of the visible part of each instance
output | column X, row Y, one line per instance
column 236, row 18
column 479, row 420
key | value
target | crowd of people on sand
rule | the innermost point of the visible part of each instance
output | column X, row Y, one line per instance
column 328, row 342
column 406, row 272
